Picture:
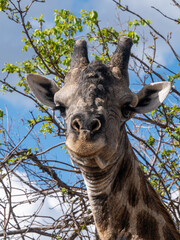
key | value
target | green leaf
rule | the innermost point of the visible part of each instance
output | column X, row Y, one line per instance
column 133, row 36
column 64, row 191
column 58, row 237
column 93, row 15
column 1, row 113
column 151, row 141
column 83, row 226
column 4, row 5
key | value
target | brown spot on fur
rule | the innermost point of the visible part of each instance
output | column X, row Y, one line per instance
column 125, row 236
column 121, row 217
column 122, row 236
column 147, row 226
column 101, row 211
column 123, row 174
column 168, row 235
column 133, row 195
column 145, row 190
column 152, row 200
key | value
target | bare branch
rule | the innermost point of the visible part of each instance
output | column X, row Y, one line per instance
column 173, row 19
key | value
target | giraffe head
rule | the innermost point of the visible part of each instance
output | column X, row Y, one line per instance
column 96, row 101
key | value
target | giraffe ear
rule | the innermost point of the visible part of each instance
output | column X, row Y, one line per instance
column 151, row 96
column 43, row 88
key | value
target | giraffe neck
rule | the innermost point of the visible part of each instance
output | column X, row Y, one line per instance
column 124, row 204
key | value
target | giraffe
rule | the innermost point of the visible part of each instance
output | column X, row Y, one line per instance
column 95, row 103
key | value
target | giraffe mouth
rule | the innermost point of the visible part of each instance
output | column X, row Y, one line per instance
column 88, row 160
column 84, row 151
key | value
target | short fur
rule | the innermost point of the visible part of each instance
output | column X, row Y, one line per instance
column 96, row 102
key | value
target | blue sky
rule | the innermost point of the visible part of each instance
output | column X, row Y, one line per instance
column 11, row 44
column 11, row 51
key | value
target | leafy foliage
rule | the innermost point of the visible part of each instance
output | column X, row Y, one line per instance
column 159, row 154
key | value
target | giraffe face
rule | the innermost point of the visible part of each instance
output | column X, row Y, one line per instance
column 96, row 101
column 94, row 109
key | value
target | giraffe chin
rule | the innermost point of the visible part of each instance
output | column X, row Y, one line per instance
column 87, row 152
column 100, row 162
column 84, row 148
column 88, row 161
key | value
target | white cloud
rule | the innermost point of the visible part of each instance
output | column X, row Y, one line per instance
column 160, row 23
column 27, row 204
column 33, row 209
column 107, row 15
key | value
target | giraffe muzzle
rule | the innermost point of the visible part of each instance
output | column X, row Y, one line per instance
column 87, row 127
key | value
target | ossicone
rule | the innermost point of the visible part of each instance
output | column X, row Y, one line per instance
column 120, row 59
column 80, row 55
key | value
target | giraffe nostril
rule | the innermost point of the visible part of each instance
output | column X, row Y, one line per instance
column 76, row 125
column 92, row 125
column 95, row 125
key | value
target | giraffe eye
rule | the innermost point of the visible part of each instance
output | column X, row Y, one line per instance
column 126, row 111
